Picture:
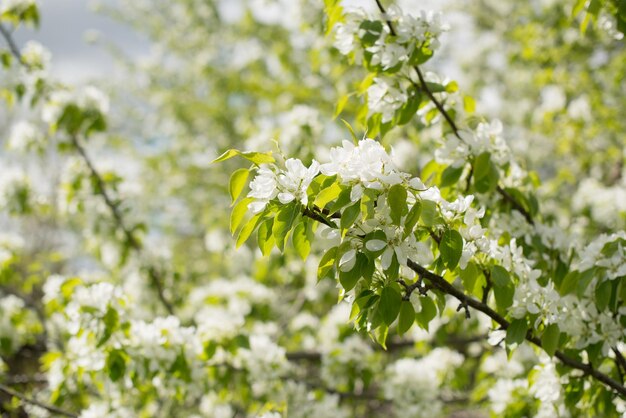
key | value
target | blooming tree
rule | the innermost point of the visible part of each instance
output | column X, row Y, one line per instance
column 427, row 265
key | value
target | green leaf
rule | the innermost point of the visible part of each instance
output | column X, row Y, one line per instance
column 350, row 215
column 469, row 104
column 237, row 182
column 407, row 317
column 578, row 7
column 226, row 156
column 429, row 212
column 389, row 304
column 342, row 201
column 116, row 364
column 301, row 241
column 255, row 157
column 409, row 109
column 569, row 283
column 326, row 195
column 435, row 87
column 603, row 294
column 396, row 199
column 341, row 104
column 327, row 263
column 516, row 333
column 370, row 31
column 380, row 334
column 71, row 119
column 248, row 229
column 111, row 321
column 283, row 222
column 550, row 339
column 469, row 276
column 265, row 238
column 349, row 279
column 481, row 165
column 354, row 137
column 451, row 248
column 504, row 297
column 451, row 176
column 500, row 276
column 411, row 218
column 427, row 313
column 67, row 288
column 238, row 213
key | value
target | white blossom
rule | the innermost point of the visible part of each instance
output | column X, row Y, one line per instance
column 384, row 98
column 25, row 136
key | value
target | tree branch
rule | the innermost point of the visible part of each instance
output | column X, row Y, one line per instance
column 29, row 400
column 455, row 130
column 153, row 274
column 443, row 285
column 11, row 43
column 102, row 190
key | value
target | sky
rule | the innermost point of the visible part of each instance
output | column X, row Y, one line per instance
column 64, row 24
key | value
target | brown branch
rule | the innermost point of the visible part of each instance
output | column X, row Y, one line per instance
column 102, row 190
column 155, row 277
column 11, row 43
column 516, row 205
column 455, row 130
column 620, row 361
column 443, row 285
column 29, row 400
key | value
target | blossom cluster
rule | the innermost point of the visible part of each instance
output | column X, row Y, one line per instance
column 414, row 385
column 387, row 50
column 288, row 185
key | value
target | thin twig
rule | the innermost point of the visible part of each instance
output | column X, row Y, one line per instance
column 29, row 400
column 12, row 45
column 455, row 130
column 102, row 190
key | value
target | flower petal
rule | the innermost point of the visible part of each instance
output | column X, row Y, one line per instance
column 375, row 244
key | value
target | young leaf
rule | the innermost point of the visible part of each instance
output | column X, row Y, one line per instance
column 301, row 241
column 396, row 199
column 265, row 239
column 350, row 215
column 237, row 183
column 429, row 212
column 327, row 263
column 226, row 156
column 255, row 157
column 238, row 213
column 411, row 218
column 326, row 195
column 248, row 229
column 354, row 137
column 283, row 222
